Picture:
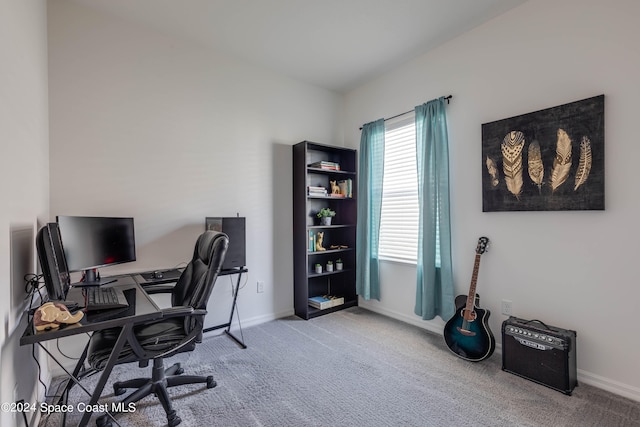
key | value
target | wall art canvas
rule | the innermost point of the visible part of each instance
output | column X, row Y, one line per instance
column 548, row 160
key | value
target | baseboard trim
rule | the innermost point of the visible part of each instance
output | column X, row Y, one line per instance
column 615, row 387
column 435, row 326
column 585, row 377
column 256, row 320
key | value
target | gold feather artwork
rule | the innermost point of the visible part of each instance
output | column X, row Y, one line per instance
column 584, row 164
column 511, row 147
column 492, row 168
column 562, row 162
column 536, row 168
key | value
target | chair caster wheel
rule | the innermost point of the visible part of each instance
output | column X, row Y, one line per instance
column 179, row 371
column 211, row 383
column 119, row 390
column 104, row 421
column 173, row 419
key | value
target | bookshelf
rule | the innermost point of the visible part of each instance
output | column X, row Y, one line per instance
column 314, row 167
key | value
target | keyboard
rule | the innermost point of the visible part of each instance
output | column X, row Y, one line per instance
column 104, row 298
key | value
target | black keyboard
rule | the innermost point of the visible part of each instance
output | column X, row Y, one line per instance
column 104, row 298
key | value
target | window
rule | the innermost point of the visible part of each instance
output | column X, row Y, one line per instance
column 399, row 218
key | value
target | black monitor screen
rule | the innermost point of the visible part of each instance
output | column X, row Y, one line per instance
column 92, row 242
column 53, row 262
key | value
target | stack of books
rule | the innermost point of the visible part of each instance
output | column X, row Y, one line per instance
column 325, row 301
column 326, row 165
column 317, row 191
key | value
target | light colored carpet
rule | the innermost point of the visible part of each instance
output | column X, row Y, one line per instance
column 358, row 368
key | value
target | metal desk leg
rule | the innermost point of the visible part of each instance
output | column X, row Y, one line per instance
column 233, row 309
column 122, row 339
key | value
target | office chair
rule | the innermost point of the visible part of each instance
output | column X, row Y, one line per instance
column 179, row 330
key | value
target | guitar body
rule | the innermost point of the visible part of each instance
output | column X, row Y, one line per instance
column 470, row 340
column 467, row 333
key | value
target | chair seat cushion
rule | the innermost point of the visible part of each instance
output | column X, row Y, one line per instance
column 154, row 338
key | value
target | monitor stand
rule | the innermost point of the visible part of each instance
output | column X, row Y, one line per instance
column 92, row 278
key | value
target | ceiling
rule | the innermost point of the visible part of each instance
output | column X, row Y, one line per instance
column 335, row 44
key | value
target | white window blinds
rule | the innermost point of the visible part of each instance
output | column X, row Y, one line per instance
column 399, row 221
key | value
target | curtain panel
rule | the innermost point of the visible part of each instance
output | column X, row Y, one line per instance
column 434, row 288
column 370, row 173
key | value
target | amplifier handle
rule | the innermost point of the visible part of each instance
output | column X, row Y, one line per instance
column 539, row 321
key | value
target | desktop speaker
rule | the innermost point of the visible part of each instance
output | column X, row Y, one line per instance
column 540, row 353
column 234, row 228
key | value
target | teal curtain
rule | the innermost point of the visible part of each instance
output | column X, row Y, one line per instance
column 434, row 290
column 370, row 172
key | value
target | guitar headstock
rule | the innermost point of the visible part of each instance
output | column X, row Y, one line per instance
column 483, row 243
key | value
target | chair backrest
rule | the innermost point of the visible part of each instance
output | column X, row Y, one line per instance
column 196, row 282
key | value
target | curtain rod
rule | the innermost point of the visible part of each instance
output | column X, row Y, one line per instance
column 448, row 98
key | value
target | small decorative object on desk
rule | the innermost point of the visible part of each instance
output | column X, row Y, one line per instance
column 51, row 315
column 318, row 268
column 329, row 265
column 338, row 264
column 325, row 216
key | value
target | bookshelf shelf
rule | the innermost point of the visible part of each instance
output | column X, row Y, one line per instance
column 342, row 231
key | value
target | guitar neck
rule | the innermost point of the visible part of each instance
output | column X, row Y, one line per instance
column 471, row 297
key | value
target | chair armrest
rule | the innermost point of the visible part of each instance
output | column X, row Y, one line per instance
column 178, row 311
column 162, row 288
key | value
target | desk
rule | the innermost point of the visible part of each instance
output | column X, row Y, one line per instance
column 141, row 309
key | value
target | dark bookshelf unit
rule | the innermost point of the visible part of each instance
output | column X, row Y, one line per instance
column 339, row 238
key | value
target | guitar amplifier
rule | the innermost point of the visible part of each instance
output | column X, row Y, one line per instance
column 540, row 353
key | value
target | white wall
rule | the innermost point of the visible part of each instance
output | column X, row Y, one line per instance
column 24, row 173
column 570, row 269
column 169, row 132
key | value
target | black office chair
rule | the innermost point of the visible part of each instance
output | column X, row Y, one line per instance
column 177, row 331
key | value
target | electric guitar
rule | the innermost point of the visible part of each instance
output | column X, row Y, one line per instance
column 467, row 333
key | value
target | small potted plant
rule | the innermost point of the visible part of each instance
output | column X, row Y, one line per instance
column 318, row 268
column 325, row 216
column 338, row 264
column 329, row 265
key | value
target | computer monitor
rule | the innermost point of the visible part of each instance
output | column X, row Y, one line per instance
column 53, row 262
column 92, row 242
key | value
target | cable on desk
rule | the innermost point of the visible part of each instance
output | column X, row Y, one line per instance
column 246, row 280
column 33, row 284
column 65, row 355
column 33, row 354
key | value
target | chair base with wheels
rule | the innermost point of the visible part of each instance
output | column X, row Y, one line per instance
column 160, row 380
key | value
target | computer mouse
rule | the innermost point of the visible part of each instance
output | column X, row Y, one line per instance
column 157, row 274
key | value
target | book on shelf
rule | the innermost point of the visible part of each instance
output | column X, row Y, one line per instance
column 325, row 301
column 312, row 241
column 346, row 187
column 325, row 165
